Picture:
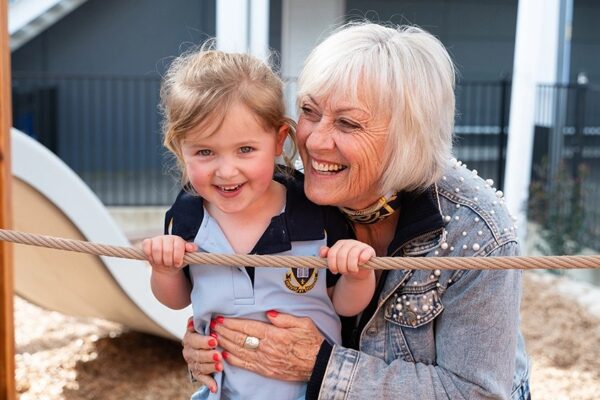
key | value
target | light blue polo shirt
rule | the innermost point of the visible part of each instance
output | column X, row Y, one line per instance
column 230, row 292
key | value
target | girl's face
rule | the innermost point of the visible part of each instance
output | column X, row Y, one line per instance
column 342, row 147
column 232, row 169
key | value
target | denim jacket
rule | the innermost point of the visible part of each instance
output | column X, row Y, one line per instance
column 443, row 334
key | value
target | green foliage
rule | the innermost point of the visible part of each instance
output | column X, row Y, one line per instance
column 558, row 207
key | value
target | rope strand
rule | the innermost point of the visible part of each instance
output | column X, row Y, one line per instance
column 376, row 263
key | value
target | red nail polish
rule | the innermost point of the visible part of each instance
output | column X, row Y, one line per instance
column 224, row 354
column 190, row 325
column 216, row 357
column 219, row 319
column 213, row 323
column 272, row 313
column 213, row 389
column 212, row 343
column 213, row 334
column 218, row 367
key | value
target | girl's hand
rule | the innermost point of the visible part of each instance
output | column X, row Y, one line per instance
column 287, row 349
column 345, row 257
column 202, row 358
column 165, row 253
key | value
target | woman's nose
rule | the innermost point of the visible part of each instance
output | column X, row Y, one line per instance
column 320, row 138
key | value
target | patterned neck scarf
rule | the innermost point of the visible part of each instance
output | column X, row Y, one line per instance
column 381, row 209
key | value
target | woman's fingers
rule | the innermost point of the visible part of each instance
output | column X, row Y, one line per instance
column 204, row 379
column 243, row 326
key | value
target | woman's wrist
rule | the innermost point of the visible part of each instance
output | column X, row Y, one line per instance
column 318, row 373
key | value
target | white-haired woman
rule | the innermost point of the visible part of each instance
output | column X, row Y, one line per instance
column 375, row 136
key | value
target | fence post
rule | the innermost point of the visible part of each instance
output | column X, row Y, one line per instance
column 578, row 137
column 7, row 340
column 504, row 85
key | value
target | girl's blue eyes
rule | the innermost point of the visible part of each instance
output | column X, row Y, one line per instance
column 207, row 152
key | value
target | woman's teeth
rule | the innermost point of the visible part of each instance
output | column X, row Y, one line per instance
column 326, row 167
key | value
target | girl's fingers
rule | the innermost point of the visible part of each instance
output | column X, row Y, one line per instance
column 323, row 251
column 156, row 251
column 178, row 252
column 167, row 251
column 342, row 258
column 190, row 247
column 332, row 259
column 352, row 259
column 365, row 255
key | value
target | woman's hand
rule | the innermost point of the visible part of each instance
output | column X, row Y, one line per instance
column 287, row 349
column 202, row 358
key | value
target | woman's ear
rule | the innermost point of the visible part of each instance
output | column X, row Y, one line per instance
column 282, row 134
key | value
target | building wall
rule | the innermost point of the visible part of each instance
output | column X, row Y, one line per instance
column 585, row 43
column 479, row 34
column 118, row 37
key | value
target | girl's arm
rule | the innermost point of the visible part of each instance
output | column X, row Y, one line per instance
column 169, row 283
column 354, row 290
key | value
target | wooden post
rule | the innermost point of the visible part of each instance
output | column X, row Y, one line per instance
column 7, row 338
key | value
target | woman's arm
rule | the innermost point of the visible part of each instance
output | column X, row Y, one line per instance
column 476, row 342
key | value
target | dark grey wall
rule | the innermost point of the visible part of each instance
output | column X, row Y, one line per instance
column 118, row 37
column 479, row 34
column 585, row 43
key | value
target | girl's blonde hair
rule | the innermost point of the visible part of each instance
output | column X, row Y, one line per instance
column 202, row 84
column 406, row 75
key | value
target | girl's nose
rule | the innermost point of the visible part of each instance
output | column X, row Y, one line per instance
column 227, row 169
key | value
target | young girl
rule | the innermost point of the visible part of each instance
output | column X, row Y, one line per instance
column 225, row 124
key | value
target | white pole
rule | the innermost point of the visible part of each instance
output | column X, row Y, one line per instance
column 259, row 28
column 232, row 25
column 535, row 62
column 243, row 26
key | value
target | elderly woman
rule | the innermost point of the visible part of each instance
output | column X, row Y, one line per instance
column 375, row 136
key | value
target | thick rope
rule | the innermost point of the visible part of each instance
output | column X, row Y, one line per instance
column 377, row 263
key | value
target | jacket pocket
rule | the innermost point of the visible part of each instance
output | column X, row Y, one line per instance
column 413, row 306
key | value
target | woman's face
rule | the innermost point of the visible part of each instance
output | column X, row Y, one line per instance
column 342, row 147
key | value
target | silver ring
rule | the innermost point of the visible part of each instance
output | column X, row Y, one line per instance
column 251, row 343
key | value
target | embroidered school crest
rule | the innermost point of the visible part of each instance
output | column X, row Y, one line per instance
column 301, row 280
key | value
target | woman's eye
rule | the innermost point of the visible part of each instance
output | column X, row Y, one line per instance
column 348, row 125
column 246, row 149
column 309, row 112
column 204, row 152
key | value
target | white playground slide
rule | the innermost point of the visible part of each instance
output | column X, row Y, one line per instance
column 50, row 199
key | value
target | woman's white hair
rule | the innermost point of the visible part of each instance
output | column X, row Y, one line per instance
column 403, row 73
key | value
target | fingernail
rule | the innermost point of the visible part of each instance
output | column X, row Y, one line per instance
column 224, row 355
column 214, row 334
column 213, row 389
column 213, row 323
column 212, row 343
column 216, row 357
column 218, row 367
column 190, row 324
column 219, row 319
column 272, row 313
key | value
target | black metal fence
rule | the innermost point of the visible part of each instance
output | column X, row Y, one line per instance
column 566, row 160
column 106, row 128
